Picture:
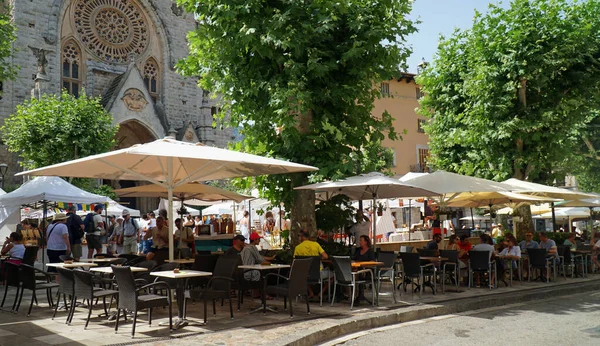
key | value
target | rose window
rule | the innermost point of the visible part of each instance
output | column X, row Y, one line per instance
column 112, row 30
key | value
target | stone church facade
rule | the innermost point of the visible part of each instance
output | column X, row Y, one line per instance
column 122, row 50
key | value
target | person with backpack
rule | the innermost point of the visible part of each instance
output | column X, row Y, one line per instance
column 76, row 232
column 94, row 229
column 130, row 230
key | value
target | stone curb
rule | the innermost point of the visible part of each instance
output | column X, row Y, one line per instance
column 451, row 306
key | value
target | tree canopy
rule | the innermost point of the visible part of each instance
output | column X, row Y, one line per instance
column 7, row 37
column 300, row 78
column 514, row 95
column 58, row 128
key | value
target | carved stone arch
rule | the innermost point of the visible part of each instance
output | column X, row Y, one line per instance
column 134, row 131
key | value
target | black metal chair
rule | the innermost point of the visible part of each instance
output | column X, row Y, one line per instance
column 427, row 253
column 30, row 255
column 145, row 276
column 314, row 275
column 105, row 255
column 28, row 279
column 387, row 272
column 11, row 274
column 450, row 267
column 294, row 285
column 344, row 276
column 218, row 287
column 538, row 259
column 84, row 288
column 66, row 288
column 130, row 297
column 480, row 262
column 65, row 258
column 413, row 269
column 408, row 249
column 203, row 263
column 567, row 259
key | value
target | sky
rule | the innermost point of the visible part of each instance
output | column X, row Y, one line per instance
column 440, row 16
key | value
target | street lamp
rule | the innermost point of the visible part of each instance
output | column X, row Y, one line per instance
column 3, row 170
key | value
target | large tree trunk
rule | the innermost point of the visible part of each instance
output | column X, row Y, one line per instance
column 526, row 224
column 303, row 210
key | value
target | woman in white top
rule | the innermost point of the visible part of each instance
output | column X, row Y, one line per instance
column 14, row 247
column 512, row 251
column 245, row 226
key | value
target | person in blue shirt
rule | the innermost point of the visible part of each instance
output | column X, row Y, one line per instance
column 528, row 243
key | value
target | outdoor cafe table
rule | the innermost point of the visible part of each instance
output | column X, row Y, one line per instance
column 509, row 260
column 262, row 268
column 180, row 290
column 182, row 261
column 71, row 265
column 99, row 260
column 108, row 270
column 365, row 264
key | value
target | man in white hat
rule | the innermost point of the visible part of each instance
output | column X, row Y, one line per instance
column 130, row 233
column 57, row 235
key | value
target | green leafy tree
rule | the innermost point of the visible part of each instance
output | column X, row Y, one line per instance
column 512, row 96
column 58, row 128
column 299, row 77
column 7, row 37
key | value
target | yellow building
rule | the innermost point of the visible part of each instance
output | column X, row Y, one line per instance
column 400, row 98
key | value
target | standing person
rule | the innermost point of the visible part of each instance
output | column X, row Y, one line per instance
column 245, row 225
column 268, row 224
column 143, row 224
column 57, row 240
column 116, row 238
column 361, row 227
column 197, row 223
column 76, row 232
column 189, row 222
column 130, row 233
column 94, row 229
column 147, row 241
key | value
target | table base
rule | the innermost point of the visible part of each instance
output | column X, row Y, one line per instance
column 182, row 322
column 269, row 308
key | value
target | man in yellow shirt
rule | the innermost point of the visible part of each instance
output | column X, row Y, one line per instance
column 308, row 247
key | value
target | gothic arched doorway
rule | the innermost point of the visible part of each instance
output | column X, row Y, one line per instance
column 133, row 132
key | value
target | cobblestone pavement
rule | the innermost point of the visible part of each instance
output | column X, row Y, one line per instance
column 245, row 328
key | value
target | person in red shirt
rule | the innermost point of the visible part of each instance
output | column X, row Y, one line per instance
column 464, row 245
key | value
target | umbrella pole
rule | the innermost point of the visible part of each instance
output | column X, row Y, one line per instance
column 553, row 218
column 409, row 217
column 591, row 226
column 43, row 231
column 374, row 221
column 473, row 219
column 170, row 208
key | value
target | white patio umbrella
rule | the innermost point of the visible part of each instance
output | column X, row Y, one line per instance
column 480, row 199
column 370, row 186
column 183, row 192
column 170, row 163
column 529, row 188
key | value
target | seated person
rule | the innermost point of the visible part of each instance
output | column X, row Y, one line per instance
column 308, row 247
column 528, row 243
column 465, row 246
column 511, row 251
column 570, row 242
column 433, row 244
column 14, row 247
column 238, row 245
column 160, row 241
column 251, row 256
column 550, row 246
column 364, row 253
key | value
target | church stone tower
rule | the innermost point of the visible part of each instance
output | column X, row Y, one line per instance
column 122, row 50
